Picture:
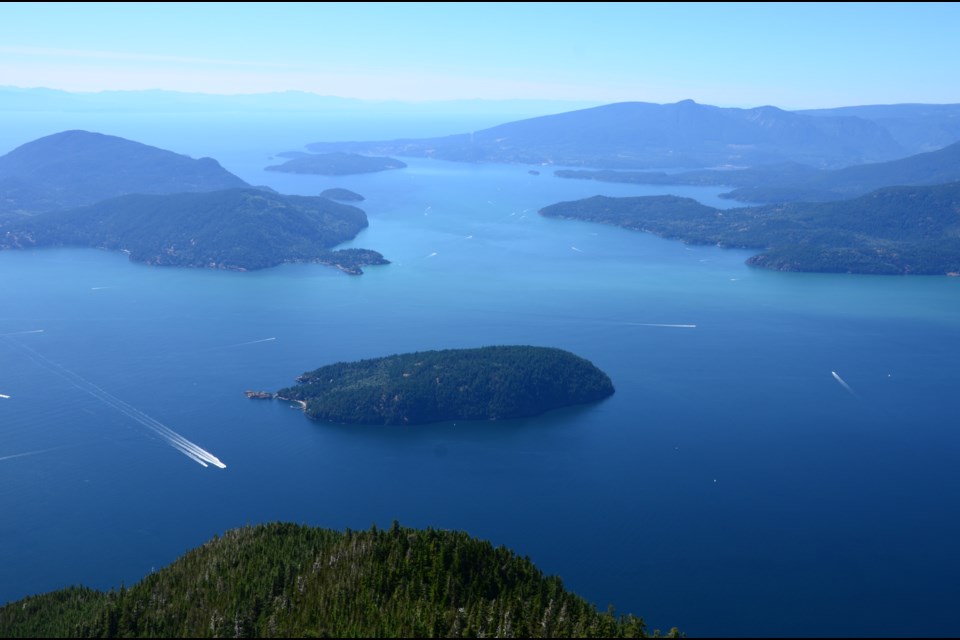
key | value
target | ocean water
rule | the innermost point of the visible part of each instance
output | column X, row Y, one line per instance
column 732, row 486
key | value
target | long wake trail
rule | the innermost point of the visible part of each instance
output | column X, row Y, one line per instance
column 843, row 383
column 193, row 451
column 661, row 324
column 243, row 344
column 27, row 453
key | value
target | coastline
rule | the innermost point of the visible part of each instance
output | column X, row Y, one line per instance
column 266, row 395
column 302, row 403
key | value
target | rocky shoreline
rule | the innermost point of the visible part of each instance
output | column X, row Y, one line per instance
column 266, row 395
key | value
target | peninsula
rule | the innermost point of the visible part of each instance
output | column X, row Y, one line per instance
column 487, row 383
column 342, row 195
column 891, row 231
column 235, row 229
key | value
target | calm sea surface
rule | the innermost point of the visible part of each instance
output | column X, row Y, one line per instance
column 732, row 485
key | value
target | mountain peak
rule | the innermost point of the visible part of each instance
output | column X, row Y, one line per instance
column 77, row 167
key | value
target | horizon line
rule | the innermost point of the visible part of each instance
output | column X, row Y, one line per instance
column 407, row 101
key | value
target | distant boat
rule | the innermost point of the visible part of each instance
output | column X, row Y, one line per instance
column 4, row 396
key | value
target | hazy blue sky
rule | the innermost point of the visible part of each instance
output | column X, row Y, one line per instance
column 790, row 55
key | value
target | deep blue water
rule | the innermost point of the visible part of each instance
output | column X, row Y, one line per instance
column 731, row 486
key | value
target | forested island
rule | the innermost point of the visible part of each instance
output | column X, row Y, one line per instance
column 892, row 231
column 234, row 229
column 336, row 164
column 487, row 383
column 342, row 195
column 287, row 580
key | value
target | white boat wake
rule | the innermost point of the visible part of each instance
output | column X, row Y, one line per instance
column 243, row 344
column 193, row 451
column 27, row 453
column 843, row 383
column 660, row 324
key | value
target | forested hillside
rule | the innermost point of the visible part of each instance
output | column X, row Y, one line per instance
column 286, row 580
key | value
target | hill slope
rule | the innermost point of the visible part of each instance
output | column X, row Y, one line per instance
column 915, row 127
column 74, row 168
column 236, row 229
column 644, row 135
column 287, row 580
column 792, row 182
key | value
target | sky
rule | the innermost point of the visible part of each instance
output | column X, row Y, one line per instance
column 792, row 55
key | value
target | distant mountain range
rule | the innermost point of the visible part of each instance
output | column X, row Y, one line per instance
column 628, row 135
column 698, row 135
column 74, row 168
column 639, row 135
column 159, row 101
column 792, row 181
column 895, row 230
column 84, row 189
column 915, row 127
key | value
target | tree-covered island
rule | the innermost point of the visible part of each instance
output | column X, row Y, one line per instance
column 487, row 383
column 336, row 164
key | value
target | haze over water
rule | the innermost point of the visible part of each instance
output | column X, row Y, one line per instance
column 731, row 486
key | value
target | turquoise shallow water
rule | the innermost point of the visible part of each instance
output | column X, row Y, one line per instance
column 731, row 486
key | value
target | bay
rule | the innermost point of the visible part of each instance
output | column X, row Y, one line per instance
column 731, row 486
